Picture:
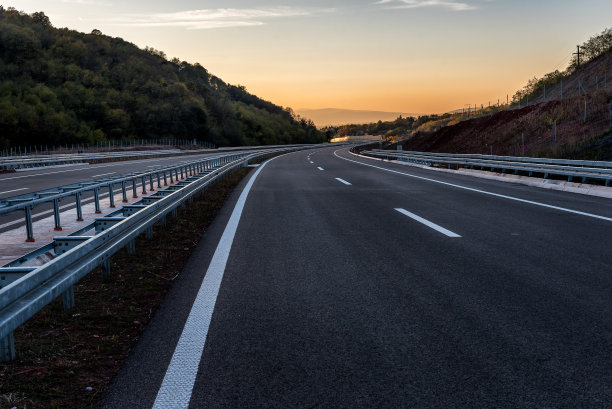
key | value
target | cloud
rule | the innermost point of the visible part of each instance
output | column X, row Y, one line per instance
column 413, row 4
column 214, row 18
column 87, row 2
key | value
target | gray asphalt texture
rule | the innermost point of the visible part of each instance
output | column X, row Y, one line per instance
column 332, row 299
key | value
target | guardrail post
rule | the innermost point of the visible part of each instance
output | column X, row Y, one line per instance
column 162, row 221
column 56, row 215
column 134, row 193
column 149, row 233
column 7, row 348
column 97, row 200
column 174, row 212
column 105, row 265
column 165, row 180
column 144, row 185
column 29, row 226
column 151, row 182
column 182, row 174
column 68, row 298
column 111, row 195
column 79, row 208
column 124, row 191
column 131, row 247
column 158, row 180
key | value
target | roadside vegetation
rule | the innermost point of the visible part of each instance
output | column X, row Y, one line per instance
column 59, row 86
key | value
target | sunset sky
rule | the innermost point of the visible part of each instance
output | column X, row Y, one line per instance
column 412, row 56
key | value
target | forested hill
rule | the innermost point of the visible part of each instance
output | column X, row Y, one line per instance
column 61, row 86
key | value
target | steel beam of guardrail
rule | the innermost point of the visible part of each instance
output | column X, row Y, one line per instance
column 26, row 203
column 570, row 169
column 29, row 289
column 34, row 161
column 26, row 162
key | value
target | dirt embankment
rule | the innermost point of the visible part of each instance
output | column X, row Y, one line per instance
column 506, row 132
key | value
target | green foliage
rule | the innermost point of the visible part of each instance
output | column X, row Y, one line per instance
column 593, row 48
column 61, row 86
column 535, row 86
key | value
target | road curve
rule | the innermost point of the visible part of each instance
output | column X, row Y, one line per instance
column 356, row 283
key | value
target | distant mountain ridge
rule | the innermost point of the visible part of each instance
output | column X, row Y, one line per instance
column 337, row 116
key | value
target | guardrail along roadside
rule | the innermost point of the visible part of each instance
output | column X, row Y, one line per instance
column 26, row 290
column 587, row 171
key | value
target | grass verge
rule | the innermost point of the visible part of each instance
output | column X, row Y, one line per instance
column 67, row 360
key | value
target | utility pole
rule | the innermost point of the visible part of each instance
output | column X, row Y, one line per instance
column 577, row 54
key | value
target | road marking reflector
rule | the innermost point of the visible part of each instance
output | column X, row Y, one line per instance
column 320, row 168
column 343, row 181
column 428, row 223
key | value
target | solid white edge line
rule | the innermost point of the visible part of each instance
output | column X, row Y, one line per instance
column 103, row 174
column 177, row 386
column 343, row 181
column 14, row 190
column 427, row 223
column 484, row 192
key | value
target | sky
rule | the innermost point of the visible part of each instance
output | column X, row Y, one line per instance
column 411, row 56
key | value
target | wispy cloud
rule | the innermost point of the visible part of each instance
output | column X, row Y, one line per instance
column 413, row 4
column 215, row 18
column 87, row 2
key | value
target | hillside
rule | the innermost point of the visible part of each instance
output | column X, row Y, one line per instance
column 580, row 118
column 61, row 86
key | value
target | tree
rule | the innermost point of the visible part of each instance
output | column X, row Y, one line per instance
column 41, row 19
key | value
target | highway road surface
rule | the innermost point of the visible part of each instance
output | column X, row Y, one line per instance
column 334, row 281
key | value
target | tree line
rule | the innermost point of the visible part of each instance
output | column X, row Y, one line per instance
column 399, row 128
column 61, row 86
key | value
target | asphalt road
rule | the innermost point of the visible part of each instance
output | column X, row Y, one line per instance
column 472, row 294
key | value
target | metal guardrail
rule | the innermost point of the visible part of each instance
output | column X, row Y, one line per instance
column 35, row 161
column 27, row 202
column 29, row 289
column 28, row 162
column 570, row 169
